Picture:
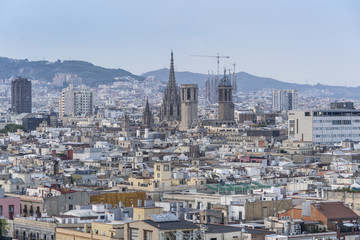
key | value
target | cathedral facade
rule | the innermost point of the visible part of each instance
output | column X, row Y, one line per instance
column 170, row 112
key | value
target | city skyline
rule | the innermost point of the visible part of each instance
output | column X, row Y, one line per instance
column 302, row 42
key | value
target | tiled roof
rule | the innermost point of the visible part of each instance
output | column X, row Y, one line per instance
column 336, row 210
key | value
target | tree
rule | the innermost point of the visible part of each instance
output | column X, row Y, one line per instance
column 3, row 228
column 12, row 128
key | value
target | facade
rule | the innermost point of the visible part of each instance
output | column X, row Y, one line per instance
column 21, row 96
column 189, row 105
column 9, row 206
column 226, row 106
column 147, row 118
column 170, row 112
column 33, row 120
column 324, row 126
column 284, row 100
column 32, row 229
column 52, row 205
column 342, row 105
column 76, row 103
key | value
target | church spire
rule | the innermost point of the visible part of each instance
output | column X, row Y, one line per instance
column 147, row 107
column 172, row 71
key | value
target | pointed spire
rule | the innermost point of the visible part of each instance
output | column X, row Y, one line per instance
column 147, row 107
column 172, row 71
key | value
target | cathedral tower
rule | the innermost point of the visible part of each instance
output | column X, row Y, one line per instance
column 189, row 106
column 170, row 112
column 226, row 106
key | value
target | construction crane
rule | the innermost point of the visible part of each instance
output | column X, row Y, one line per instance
column 218, row 59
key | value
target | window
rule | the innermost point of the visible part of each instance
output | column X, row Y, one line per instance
column 1, row 210
column 166, row 167
column 71, row 207
column 158, row 167
column 158, row 175
column 171, row 110
column 134, row 234
column 307, row 114
column 70, row 197
column 147, row 235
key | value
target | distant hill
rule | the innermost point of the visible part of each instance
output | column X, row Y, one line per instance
column 94, row 75
column 43, row 70
column 249, row 83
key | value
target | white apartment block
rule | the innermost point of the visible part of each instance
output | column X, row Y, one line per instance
column 284, row 100
column 324, row 126
column 76, row 103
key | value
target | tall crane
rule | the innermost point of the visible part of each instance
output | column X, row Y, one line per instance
column 218, row 59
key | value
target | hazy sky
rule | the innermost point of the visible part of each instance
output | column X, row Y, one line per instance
column 293, row 41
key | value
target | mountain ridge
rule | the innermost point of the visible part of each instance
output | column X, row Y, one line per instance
column 250, row 83
column 91, row 74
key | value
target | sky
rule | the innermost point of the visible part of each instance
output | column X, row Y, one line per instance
column 303, row 41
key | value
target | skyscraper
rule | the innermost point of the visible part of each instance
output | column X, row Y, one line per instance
column 170, row 112
column 76, row 103
column 21, row 99
column 226, row 106
column 284, row 100
column 189, row 105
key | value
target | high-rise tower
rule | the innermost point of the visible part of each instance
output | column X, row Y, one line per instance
column 170, row 111
column 21, row 99
column 189, row 105
column 226, row 106
column 76, row 103
column 284, row 100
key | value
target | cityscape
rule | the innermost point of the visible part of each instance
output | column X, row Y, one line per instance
column 91, row 151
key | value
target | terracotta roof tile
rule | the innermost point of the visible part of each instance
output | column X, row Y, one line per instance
column 336, row 210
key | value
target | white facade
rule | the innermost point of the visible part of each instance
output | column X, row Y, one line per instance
column 284, row 100
column 324, row 126
column 76, row 103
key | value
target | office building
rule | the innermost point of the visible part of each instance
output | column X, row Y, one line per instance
column 324, row 126
column 21, row 100
column 189, row 105
column 284, row 100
